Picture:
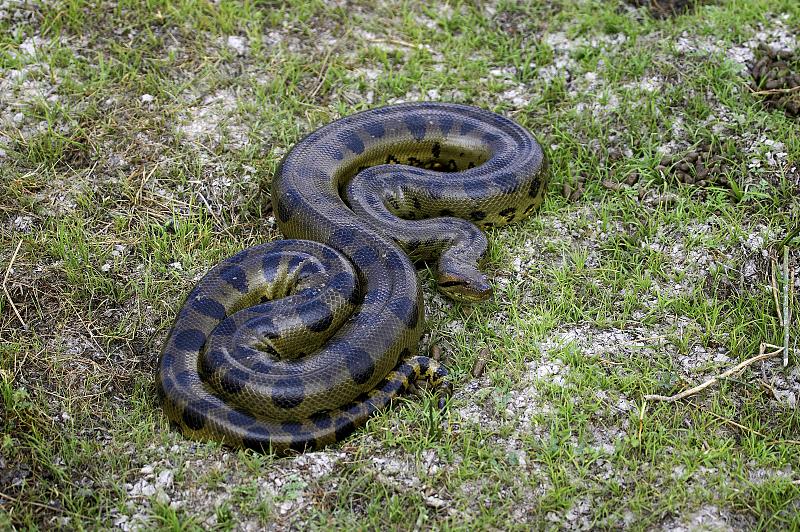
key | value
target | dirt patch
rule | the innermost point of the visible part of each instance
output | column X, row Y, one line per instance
column 776, row 77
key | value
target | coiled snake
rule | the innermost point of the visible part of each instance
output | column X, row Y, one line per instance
column 294, row 344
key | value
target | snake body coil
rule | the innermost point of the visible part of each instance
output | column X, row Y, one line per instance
column 294, row 344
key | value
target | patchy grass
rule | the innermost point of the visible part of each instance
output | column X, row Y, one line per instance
column 137, row 144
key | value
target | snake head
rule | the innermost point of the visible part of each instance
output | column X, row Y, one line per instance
column 469, row 286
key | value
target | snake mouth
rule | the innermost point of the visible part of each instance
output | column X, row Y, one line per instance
column 465, row 290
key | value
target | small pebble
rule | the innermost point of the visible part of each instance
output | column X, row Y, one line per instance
column 609, row 184
column 480, row 362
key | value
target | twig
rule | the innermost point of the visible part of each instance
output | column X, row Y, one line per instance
column 322, row 74
column 787, row 312
column 775, row 91
column 641, row 419
column 691, row 391
column 213, row 214
column 774, row 285
column 398, row 42
column 5, row 289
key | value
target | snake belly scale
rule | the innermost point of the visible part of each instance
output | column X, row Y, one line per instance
column 292, row 345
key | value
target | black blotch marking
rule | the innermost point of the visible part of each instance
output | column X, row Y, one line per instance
column 190, row 340
column 291, row 427
column 452, row 166
column 488, row 225
column 352, row 141
column 405, row 369
column 436, row 150
column 263, row 299
column 355, row 408
column 345, row 284
column 375, row 129
column 491, row 138
column 391, row 159
column 240, row 419
column 372, row 297
column 360, row 365
column 167, row 359
column 507, row 183
column 475, row 189
column 317, row 316
column 477, row 215
column 328, row 255
column 406, row 310
column 321, row 421
column 233, row 381
column 446, row 212
column 416, row 202
column 288, row 393
column 529, row 209
column 344, row 428
column 184, row 378
column 412, row 245
column 445, row 124
column 365, row 256
column 509, row 213
column 294, row 261
column 209, row 307
column 269, row 265
column 194, row 414
column 211, row 362
column 446, row 284
column 226, row 328
column 416, row 125
column 471, row 164
column 394, row 260
column 261, row 367
column 234, row 276
column 413, row 161
column 393, row 386
column 535, row 184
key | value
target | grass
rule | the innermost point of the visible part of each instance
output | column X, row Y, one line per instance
column 138, row 145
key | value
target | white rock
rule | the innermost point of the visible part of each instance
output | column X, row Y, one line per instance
column 238, row 44
column 164, row 479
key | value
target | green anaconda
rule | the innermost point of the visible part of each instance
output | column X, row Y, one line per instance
column 294, row 344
